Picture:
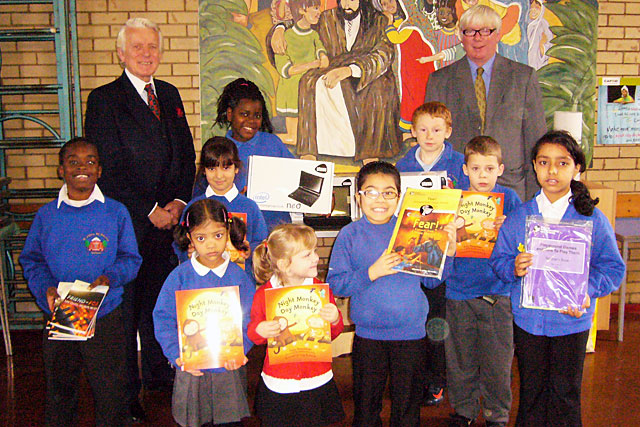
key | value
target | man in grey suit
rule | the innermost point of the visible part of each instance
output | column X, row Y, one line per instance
column 513, row 104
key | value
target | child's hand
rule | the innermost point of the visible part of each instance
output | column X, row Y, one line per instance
column 329, row 313
column 451, row 232
column 268, row 328
column 575, row 311
column 383, row 265
column 498, row 222
column 100, row 281
column 194, row 372
column 232, row 365
column 523, row 261
column 52, row 297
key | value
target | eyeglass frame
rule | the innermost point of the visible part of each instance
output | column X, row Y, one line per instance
column 491, row 31
column 378, row 194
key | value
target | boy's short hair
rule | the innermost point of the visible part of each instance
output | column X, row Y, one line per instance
column 433, row 109
column 296, row 5
column 377, row 167
column 483, row 145
column 72, row 143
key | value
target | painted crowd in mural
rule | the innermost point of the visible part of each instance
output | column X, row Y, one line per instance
column 301, row 55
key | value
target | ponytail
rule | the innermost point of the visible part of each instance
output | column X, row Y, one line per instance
column 238, row 233
column 581, row 198
column 262, row 268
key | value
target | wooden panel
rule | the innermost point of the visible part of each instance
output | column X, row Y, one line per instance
column 628, row 205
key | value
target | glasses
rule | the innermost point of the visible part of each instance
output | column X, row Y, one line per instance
column 484, row 32
column 374, row 194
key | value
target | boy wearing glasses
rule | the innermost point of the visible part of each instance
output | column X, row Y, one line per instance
column 387, row 307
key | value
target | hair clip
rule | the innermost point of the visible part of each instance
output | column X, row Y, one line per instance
column 266, row 246
column 185, row 223
column 229, row 217
column 244, row 84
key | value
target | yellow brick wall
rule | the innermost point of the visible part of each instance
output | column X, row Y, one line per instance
column 98, row 24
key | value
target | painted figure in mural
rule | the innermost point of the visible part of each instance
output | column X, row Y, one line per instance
column 304, row 52
column 625, row 98
column 351, row 108
column 539, row 35
column 514, row 115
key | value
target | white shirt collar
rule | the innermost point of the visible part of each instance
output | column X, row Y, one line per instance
column 139, row 84
column 555, row 210
column 229, row 195
column 63, row 196
column 276, row 283
column 203, row 270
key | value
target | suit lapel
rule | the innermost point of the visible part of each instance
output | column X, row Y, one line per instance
column 140, row 111
column 499, row 76
column 464, row 80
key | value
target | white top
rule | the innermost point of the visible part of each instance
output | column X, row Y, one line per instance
column 63, row 196
column 555, row 210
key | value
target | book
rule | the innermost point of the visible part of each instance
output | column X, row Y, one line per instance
column 235, row 255
column 475, row 224
column 559, row 275
column 419, row 235
column 209, row 327
column 304, row 336
column 74, row 317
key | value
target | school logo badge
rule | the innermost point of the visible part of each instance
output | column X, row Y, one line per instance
column 96, row 243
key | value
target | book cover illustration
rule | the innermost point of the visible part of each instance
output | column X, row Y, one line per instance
column 475, row 224
column 304, row 336
column 235, row 255
column 209, row 327
column 559, row 276
column 419, row 235
column 74, row 318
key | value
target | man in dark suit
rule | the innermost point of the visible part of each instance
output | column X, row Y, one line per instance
column 513, row 104
column 148, row 163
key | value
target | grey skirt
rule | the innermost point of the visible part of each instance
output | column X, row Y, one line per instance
column 217, row 397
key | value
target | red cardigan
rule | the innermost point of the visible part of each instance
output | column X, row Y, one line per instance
column 297, row 370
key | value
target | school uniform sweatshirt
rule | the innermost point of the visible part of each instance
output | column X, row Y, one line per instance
column 392, row 307
column 288, row 371
column 605, row 272
column 69, row 243
column 473, row 277
column 193, row 275
column 450, row 161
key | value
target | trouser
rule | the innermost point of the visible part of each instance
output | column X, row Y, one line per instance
column 435, row 371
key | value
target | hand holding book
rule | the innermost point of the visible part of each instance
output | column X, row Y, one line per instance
column 384, row 265
column 100, row 281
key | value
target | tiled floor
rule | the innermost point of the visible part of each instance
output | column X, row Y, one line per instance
column 611, row 385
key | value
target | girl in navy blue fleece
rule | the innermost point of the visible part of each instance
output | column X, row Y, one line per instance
column 388, row 308
column 551, row 345
column 216, row 396
column 57, row 250
column 242, row 109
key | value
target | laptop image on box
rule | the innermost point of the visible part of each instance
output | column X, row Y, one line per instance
column 309, row 189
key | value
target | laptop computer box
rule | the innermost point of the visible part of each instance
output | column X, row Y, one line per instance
column 308, row 190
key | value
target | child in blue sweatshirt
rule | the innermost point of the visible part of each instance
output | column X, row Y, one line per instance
column 550, row 345
column 57, row 250
column 479, row 347
column 431, row 126
column 216, row 396
column 388, row 308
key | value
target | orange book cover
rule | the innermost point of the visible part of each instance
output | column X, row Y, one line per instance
column 235, row 255
column 304, row 336
column 419, row 235
column 209, row 327
column 475, row 224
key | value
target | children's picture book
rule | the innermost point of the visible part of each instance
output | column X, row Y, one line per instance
column 476, row 232
column 209, row 327
column 74, row 317
column 304, row 336
column 559, row 276
column 419, row 235
column 235, row 255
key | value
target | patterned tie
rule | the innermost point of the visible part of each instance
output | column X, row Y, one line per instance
column 153, row 100
column 481, row 96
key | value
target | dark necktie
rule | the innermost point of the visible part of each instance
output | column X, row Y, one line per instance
column 481, row 97
column 153, row 100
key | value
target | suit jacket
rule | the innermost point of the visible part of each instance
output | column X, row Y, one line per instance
column 514, row 117
column 143, row 160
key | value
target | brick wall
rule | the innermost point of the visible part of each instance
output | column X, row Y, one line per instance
column 100, row 20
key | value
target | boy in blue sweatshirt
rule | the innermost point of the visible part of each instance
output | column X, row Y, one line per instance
column 57, row 250
column 387, row 307
column 479, row 348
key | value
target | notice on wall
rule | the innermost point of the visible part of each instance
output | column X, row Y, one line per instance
column 619, row 110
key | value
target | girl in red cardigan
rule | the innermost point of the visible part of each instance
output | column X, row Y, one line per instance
column 292, row 394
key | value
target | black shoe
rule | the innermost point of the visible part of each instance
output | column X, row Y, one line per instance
column 136, row 413
column 433, row 396
column 457, row 420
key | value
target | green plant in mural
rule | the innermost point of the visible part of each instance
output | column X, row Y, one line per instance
column 228, row 51
column 570, row 85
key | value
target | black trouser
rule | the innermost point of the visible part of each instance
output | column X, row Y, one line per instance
column 102, row 360
column 373, row 362
column 139, row 300
column 550, row 378
column 435, row 372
